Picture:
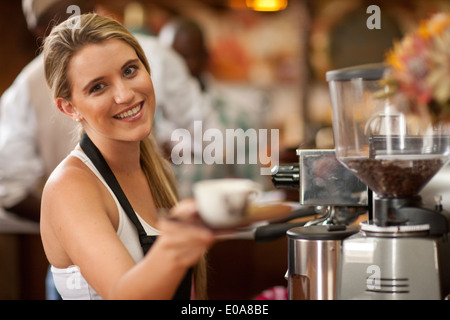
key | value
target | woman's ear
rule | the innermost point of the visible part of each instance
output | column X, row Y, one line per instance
column 66, row 107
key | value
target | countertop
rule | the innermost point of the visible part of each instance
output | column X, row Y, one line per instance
column 11, row 223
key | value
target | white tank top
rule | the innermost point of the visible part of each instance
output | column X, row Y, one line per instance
column 69, row 282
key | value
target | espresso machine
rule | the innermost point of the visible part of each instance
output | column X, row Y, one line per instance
column 339, row 199
column 402, row 251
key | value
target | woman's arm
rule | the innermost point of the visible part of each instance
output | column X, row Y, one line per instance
column 78, row 213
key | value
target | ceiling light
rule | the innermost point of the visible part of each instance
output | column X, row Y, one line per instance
column 267, row 5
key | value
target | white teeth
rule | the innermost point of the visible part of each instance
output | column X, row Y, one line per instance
column 129, row 113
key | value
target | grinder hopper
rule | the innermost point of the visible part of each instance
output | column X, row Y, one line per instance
column 394, row 153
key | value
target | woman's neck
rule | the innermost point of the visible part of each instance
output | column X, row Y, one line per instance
column 123, row 157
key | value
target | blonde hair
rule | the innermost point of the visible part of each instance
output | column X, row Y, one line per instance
column 60, row 46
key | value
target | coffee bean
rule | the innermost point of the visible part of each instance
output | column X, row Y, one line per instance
column 394, row 178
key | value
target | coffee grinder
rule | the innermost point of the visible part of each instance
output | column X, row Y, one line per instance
column 403, row 250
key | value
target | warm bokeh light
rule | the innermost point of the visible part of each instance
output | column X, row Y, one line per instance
column 267, row 5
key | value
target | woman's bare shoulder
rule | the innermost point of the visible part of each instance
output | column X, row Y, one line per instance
column 72, row 186
column 76, row 210
column 70, row 174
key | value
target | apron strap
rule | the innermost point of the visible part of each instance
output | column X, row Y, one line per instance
column 184, row 290
column 100, row 163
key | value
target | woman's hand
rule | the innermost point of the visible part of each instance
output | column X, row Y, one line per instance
column 185, row 240
column 185, row 210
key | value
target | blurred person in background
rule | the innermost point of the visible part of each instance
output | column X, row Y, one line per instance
column 222, row 107
column 34, row 138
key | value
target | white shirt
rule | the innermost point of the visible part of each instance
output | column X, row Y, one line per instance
column 35, row 136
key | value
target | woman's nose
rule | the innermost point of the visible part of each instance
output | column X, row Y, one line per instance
column 123, row 93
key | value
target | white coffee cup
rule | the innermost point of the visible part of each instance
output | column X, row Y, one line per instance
column 222, row 203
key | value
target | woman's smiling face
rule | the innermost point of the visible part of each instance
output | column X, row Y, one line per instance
column 111, row 91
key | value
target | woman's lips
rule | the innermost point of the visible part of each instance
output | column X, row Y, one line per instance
column 133, row 111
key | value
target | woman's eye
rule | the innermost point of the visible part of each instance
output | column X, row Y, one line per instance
column 130, row 70
column 97, row 87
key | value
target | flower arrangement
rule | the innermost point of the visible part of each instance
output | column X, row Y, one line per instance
column 419, row 69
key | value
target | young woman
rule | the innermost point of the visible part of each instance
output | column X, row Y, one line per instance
column 100, row 78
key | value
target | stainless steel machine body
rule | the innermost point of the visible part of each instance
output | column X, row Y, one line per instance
column 314, row 253
column 396, row 267
column 324, row 181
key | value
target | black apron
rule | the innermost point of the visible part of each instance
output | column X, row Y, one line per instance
column 184, row 290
